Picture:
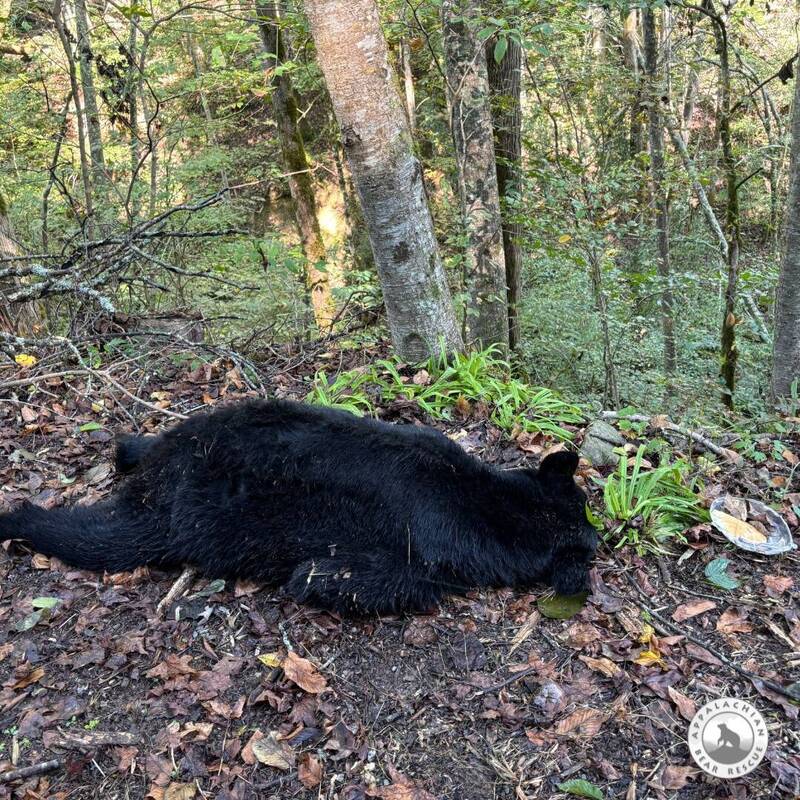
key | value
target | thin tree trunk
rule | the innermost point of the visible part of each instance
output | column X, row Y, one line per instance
column 610, row 390
column 131, row 90
column 471, row 126
column 408, row 84
column 729, row 354
column 505, row 83
column 786, row 347
column 660, row 197
column 354, row 58
column 633, row 58
column 58, row 20
column 93, row 128
column 284, row 107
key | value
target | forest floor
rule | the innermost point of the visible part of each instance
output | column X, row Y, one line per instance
column 248, row 695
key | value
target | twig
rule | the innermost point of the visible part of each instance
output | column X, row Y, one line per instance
column 722, row 452
column 29, row 772
column 181, row 585
column 669, row 624
column 515, row 677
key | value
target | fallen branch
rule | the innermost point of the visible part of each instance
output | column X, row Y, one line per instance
column 181, row 585
column 89, row 740
column 29, row 772
column 665, row 424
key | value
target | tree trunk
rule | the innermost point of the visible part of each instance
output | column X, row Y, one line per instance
column 786, row 347
column 284, row 107
column 633, row 59
column 657, row 173
column 353, row 55
column 408, row 84
column 471, row 126
column 506, row 86
column 729, row 354
column 86, row 178
column 85, row 59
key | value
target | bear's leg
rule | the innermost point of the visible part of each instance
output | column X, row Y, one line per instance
column 365, row 583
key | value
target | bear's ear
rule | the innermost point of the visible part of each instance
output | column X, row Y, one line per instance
column 559, row 465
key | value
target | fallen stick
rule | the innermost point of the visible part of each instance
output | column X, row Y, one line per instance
column 88, row 740
column 664, row 423
column 181, row 585
column 29, row 772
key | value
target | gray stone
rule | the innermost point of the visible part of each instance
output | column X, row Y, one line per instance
column 599, row 442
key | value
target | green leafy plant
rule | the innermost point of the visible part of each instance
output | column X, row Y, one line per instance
column 474, row 377
column 650, row 506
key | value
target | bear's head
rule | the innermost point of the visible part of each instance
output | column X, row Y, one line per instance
column 574, row 538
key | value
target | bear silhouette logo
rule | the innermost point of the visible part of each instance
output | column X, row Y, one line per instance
column 728, row 737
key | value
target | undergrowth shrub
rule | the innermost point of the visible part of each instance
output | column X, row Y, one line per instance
column 444, row 382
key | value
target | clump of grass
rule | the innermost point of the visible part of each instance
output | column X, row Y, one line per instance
column 650, row 507
column 475, row 377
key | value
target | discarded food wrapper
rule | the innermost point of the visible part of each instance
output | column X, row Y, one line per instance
column 751, row 525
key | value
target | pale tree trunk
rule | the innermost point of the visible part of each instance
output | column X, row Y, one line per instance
column 86, row 177
column 471, row 126
column 131, row 91
column 632, row 51
column 786, row 347
column 353, row 55
column 93, row 128
column 657, row 174
column 506, row 87
column 284, row 107
column 408, row 83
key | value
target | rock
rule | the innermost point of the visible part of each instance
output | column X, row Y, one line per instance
column 599, row 442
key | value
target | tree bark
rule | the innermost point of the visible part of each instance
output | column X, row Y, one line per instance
column 506, row 88
column 786, row 346
column 86, row 176
column 408, row 83
column 657, row 177
column 471, row 126
column 284, row 107
column 729, row 354
column 353, row 55
column 93, row 129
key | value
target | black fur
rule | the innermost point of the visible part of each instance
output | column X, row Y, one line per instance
column 350, row 514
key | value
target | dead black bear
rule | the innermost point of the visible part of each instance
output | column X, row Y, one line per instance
column 350, row 514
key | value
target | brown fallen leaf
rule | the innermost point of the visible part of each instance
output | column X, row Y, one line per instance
column 266, row 749
column 585, row 723
column 675, row 777
column 604, row 665
column 736, row 507
column 309, row 771
column 580, row 634
column 301, row 671
column 34, row 676
column 734, row 620
column 180, row 791
column 686, row 706
column 402, row 788
column 777, row 584
column 692, row 609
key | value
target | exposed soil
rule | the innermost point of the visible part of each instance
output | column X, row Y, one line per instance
column 485, row 699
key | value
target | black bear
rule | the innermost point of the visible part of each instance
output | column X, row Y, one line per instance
column 350, row 514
